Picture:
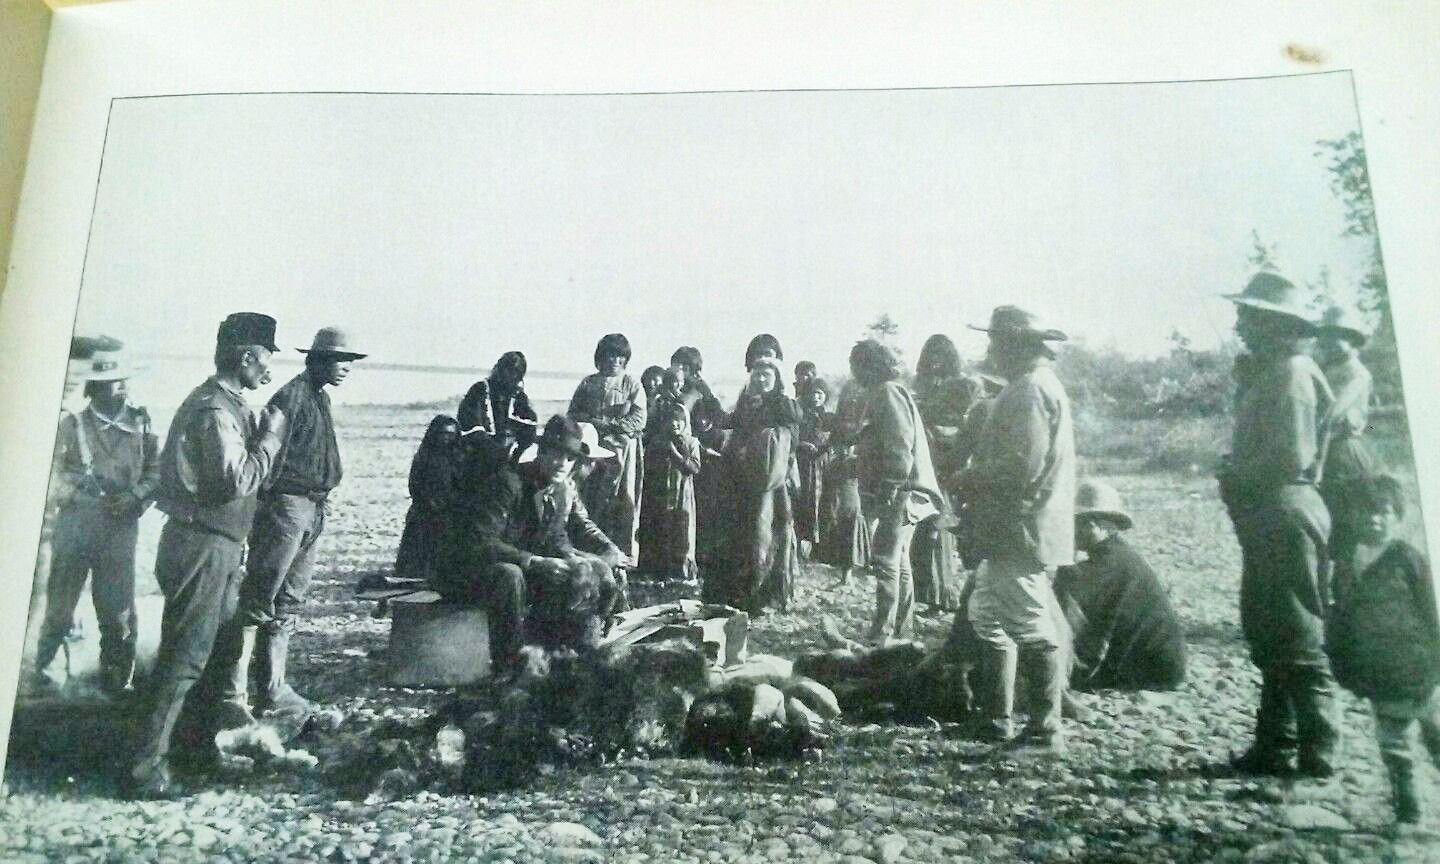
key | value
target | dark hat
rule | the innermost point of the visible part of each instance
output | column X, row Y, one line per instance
column 1347, row 320
column 563, row 434
column 107, row 366
column 1013, row 321
column 334, row 342
column 247, row 328
column 1271, row 292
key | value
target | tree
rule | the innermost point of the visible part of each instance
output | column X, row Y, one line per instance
column 883, row 330
column 1262, row 254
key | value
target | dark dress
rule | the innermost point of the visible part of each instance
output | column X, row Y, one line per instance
column 667, row 512
column 810, row 458
column 761, row 554
column 933, row 558
column 434, row 476
column 1126, row 635
column 845, row 536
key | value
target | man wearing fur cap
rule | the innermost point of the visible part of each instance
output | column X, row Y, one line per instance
column 513, row 547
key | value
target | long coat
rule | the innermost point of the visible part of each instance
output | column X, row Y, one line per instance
column 1021, row 485
column 616, row 406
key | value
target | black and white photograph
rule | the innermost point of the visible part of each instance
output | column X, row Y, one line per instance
column 935, row 473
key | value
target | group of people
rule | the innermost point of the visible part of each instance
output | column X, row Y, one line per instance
column 961, row 472
column 244, row 495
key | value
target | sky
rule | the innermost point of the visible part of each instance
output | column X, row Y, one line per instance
column 446, row 229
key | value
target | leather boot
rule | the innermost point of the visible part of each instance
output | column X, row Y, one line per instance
column 232, row 708
column 1045, row 688
column 278, row 697
column 1402, row 788
column 995, row 693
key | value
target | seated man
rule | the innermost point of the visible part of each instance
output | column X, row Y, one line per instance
column 1126, row 635
column 511, row 545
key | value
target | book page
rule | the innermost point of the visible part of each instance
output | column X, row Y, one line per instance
column 447, row 184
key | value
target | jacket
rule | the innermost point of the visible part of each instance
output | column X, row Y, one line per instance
column 214, row 462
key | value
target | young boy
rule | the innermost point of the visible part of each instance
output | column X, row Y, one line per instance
column 1382, row 638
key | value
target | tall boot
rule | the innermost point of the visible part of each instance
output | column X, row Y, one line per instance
column 278, row 697
column 1045, row 688
column 995, row 693
column 1402, row 789
column 1312, row 691
column 231, row 708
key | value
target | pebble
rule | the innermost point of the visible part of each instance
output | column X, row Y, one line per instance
column 1306, row 817
column 570, row 834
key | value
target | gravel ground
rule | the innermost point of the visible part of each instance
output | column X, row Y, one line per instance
column 1144, row 780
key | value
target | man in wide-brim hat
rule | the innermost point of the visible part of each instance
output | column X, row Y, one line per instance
column 216, row 457
column 515, row 545
column 106, row 469
column 1343, row 332
column 1126, row 635
column 1268, row 485
column 288, row 524
column 1020, row 491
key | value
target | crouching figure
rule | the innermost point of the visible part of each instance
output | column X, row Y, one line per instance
column 523, row 545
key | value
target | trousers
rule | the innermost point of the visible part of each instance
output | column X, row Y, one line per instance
column 281, row 560
column 1014, row 612
column 89, row 543
column 199, row 573
column 894, row 578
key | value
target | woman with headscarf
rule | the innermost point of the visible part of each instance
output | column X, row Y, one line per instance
column 434, row 473
column 763, row 559
column 943, row 395
column 614, row 403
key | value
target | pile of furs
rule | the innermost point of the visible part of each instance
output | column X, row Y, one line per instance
column 566, row 709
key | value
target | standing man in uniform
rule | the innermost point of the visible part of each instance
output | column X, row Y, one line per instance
column 1021, row 490
column 107, row 465
column 289, row 521
column 1268, row 482
column 217, row 454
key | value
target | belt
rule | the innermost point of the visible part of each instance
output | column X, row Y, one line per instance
column 314, row 495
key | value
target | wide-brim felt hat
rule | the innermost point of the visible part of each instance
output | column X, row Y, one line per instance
column 1099, row 499
column 1346, row 319
column 1271, row 292
column 333, row 342
column 590, row 440
column 571, row 438
column 105, row 366
column 247, row 328
column 1014, row 322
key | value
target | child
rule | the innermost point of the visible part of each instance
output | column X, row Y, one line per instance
column 1382, row 637
column 615, row 403
column 667, row 514
column 650, row 381
column 814, row 433
column 433, row 476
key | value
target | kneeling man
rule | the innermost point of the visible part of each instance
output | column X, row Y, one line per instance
column 1126, row 635
column 513, row 546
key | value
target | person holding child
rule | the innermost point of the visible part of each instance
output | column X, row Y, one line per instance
column 1382, row 638
column 614, row 403
column 667, row 517
column 1267, row 483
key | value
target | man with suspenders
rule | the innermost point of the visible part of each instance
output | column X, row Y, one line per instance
column 107, row 466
